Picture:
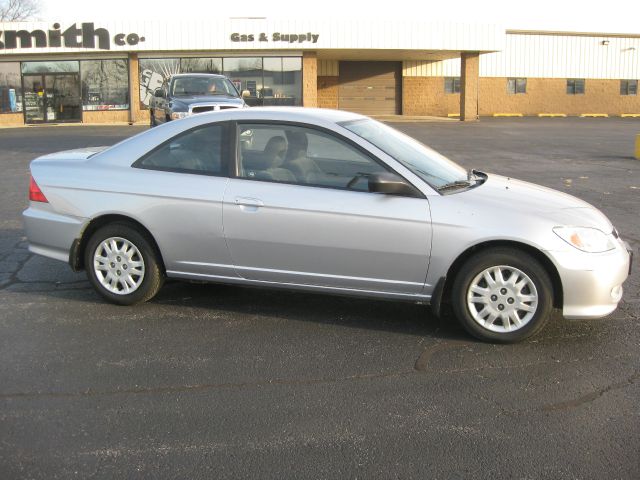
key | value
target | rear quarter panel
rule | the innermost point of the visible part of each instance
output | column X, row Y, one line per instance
column 183, row 212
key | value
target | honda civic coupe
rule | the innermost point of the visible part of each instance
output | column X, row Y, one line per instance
column 323, row 201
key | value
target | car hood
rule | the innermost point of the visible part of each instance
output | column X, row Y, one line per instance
column 189, row 99
column 502, row 194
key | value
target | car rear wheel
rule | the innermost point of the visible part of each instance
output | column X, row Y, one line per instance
column 122, row 264
column 502, row 295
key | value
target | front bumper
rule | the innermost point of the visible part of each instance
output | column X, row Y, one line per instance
column 592, row 282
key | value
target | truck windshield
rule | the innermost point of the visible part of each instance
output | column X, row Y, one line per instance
column 433, row 168
column 202, row 86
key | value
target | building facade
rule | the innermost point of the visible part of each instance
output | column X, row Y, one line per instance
column 95, row 72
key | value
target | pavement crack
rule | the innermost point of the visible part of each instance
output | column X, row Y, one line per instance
column 590, row 397
column 89, row 392
column 13, row 278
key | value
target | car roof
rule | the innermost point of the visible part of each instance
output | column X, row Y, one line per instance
column 179, row 75
column 291, row 114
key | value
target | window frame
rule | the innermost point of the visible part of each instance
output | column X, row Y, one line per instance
column 515, row 85
column 453, row 91
column 627, row 82
column 226, row 163
column 573, row 86
column 341, row 138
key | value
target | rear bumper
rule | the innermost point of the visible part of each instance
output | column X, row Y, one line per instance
column 592, row 283
column 51, row 234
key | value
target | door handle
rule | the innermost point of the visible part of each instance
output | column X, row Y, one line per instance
column 249, row 202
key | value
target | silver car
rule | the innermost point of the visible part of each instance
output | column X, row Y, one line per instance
column 324, row 201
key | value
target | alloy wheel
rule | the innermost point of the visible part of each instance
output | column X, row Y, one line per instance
column 502, row 299
column 118, row 265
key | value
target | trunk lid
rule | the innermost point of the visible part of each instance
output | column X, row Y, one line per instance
column 75, row 154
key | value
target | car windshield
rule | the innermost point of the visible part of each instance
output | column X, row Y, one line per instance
column 434, row 168
column 202, row 86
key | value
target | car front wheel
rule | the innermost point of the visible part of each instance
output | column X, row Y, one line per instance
column 122, row 264
column 502, row 295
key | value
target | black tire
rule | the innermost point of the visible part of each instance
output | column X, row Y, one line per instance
column 148, row 284
column 510, row 258
column 152, row 119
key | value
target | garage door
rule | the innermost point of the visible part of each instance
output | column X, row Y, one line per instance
column 370, row 88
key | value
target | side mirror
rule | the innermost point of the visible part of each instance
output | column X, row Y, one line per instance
column 391, row 184
column 159, row 93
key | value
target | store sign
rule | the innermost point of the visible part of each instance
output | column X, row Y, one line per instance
column 276, row 37
column 87, row 36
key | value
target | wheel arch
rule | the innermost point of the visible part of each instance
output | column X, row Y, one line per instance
column 545, row 261
column 76, row 256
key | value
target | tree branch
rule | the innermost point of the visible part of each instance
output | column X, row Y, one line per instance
column 18, row 10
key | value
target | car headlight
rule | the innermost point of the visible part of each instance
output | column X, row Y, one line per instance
column 178, row 115
column 586, row 239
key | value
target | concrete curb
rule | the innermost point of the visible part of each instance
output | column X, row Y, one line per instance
column 412, row 118
column 55, row 125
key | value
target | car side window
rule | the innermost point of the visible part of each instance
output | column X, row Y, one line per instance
column 197, row 151
column 300, row 155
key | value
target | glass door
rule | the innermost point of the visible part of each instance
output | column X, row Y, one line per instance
column 34, row 98
column 63, row 97
column 52, row 98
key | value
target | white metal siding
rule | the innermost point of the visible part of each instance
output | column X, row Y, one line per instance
column 564, row 56
column 547, row 56
column 431, row 68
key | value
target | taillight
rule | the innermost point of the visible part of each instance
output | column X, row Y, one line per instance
column 35, row 194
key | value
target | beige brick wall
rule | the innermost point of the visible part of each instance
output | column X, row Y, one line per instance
column 470, row 68
column 309, row 79
column 113, row 116
column 425, row 96
column 9, row 119
column 328, row 92
column 134, row 89
column 548, row 95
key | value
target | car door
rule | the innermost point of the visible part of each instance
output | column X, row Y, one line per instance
column 180, row 186
column 304, row 215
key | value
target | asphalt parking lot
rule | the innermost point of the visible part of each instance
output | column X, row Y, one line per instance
column 211, row 381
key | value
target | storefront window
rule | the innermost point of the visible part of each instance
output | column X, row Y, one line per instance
column 69, row 66
column 52, row 91
column 282, row 81
column 153, row 72
column 261, row 81
column 201, row 65
column 246, row 75
column 105, row 84
column 10, row 88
